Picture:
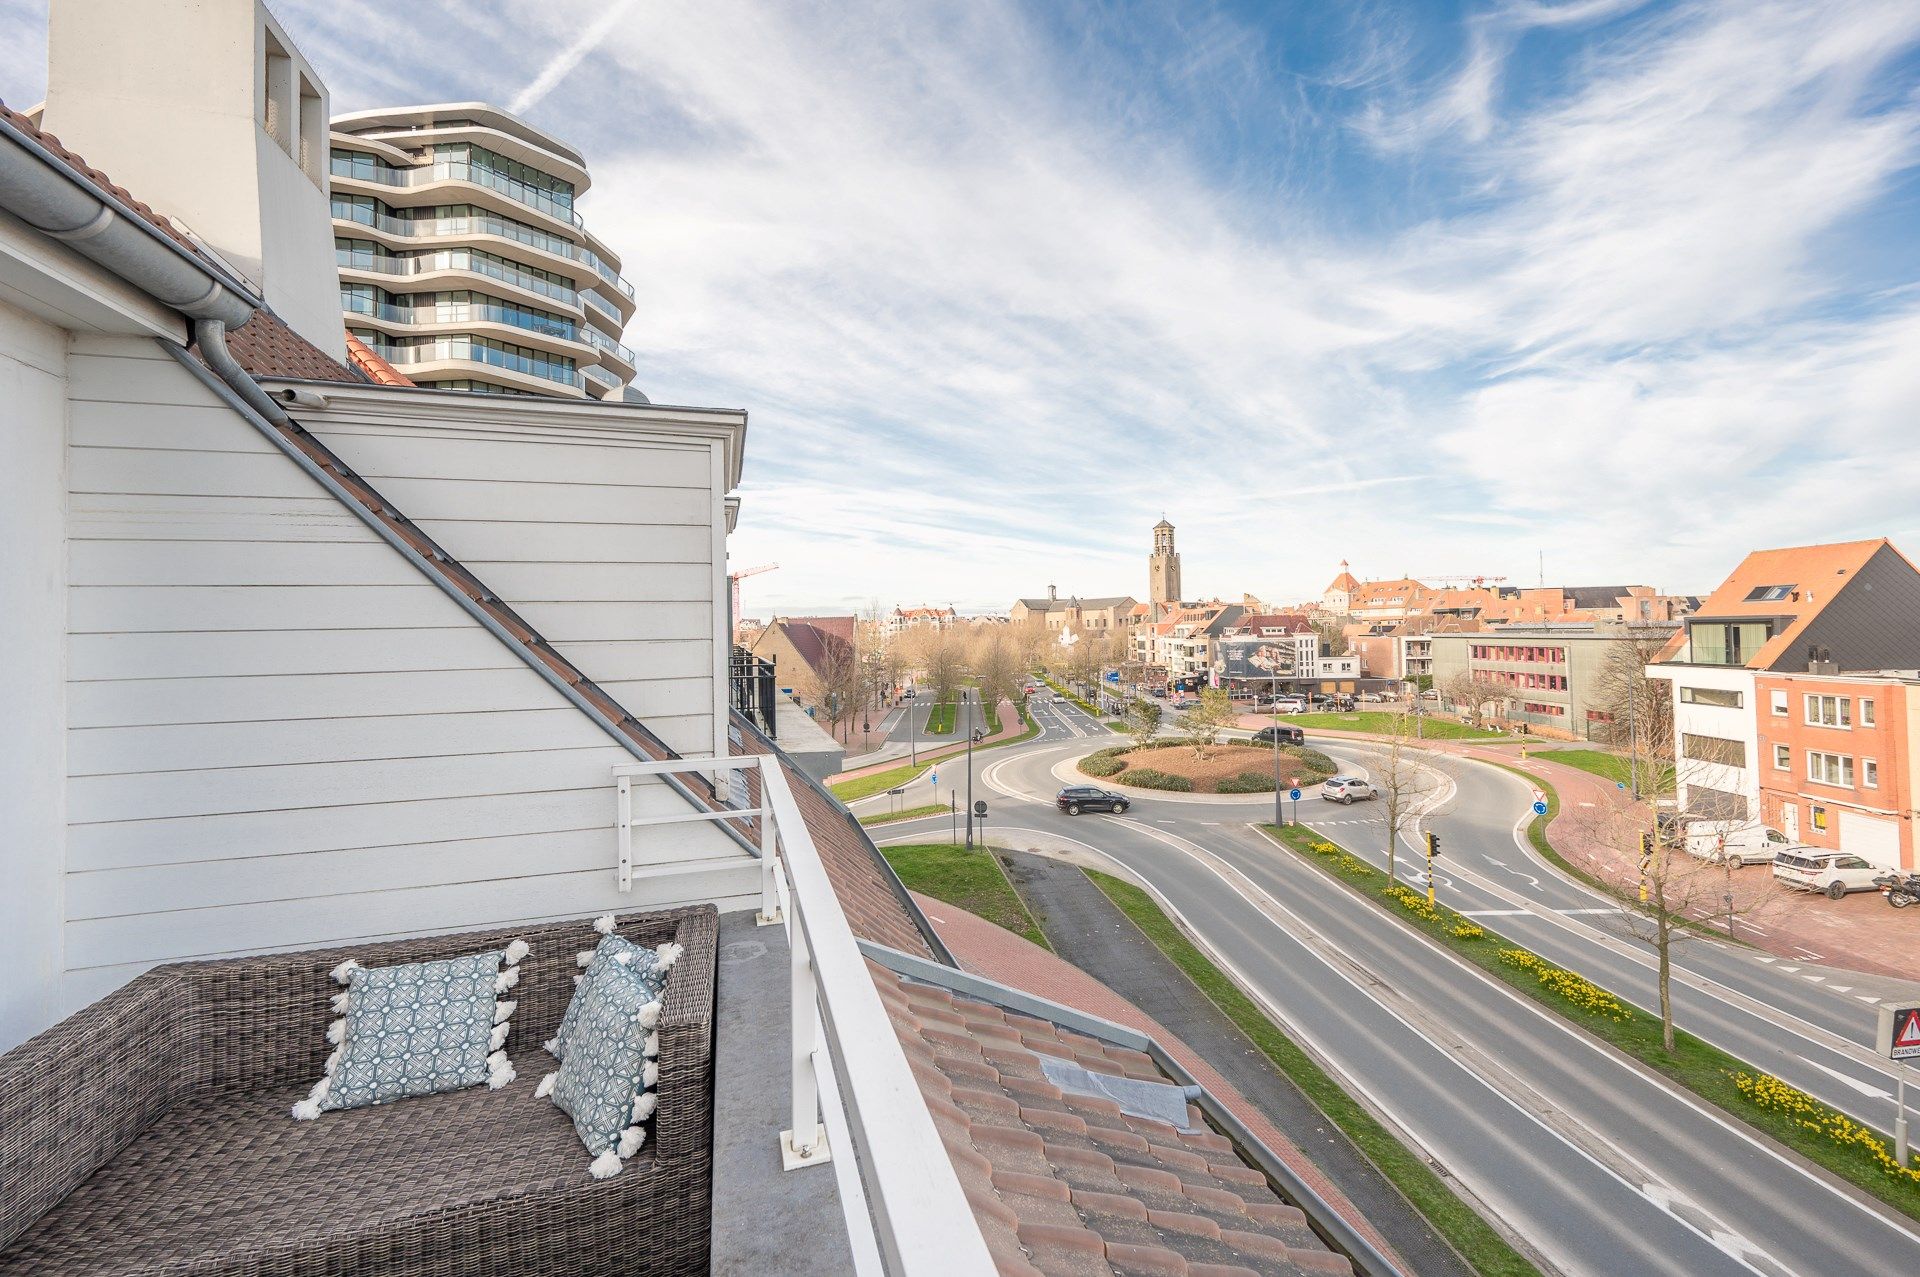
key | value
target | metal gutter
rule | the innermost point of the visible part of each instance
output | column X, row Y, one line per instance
column 1327, row 1223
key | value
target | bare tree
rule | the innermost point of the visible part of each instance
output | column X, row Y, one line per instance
column 1402, row 781
column 1205, row 721
column 1143, row 721
column 1471, row 695
column 998, row 670
column 938, row 655
column 842, row 682
column 1638, row 709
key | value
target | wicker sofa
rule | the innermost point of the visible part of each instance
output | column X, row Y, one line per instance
column 149, row 1133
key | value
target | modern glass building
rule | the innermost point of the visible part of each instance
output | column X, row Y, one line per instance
column 463, row 259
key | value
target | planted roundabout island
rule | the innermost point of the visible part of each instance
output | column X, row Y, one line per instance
column 1185, row 768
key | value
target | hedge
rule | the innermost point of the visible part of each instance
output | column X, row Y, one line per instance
column 1096, row 765
column 1148, row 778
column 1245, row 783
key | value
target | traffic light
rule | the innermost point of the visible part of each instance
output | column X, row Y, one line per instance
column 1433, row 845
column 1646, row 851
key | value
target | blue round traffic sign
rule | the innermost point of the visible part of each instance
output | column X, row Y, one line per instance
column 1294, row 794
column 1539, row 808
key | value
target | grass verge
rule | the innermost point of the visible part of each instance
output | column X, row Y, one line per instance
column 970, row 880
column 1600, row 763
column 1702, row 1068
column 908, row 813
column 867, row 786
column 1070, row 696
column 940, row 719
column 1464, row 1229
column 1381, row 723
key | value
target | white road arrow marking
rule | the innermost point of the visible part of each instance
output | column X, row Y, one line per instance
column 1866, row 1089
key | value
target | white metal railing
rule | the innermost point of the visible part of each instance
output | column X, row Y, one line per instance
column 920, row 1219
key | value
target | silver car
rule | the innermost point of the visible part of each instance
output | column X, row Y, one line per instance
column 1345, row 789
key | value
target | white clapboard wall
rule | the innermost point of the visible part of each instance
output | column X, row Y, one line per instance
column 281, row 735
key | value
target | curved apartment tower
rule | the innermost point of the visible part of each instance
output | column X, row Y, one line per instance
column 463, row 261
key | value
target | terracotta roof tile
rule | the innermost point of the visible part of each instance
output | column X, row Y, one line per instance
column 1090, row 1190
column 370, row 364
column 1815, row 574
column 266, row 347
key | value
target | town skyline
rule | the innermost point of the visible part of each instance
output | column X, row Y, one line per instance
column 1361, row 300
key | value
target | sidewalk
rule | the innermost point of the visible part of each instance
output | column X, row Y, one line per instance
column 1011, row 725
column 1859, row 933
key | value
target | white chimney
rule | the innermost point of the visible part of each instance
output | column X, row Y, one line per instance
column 207, row 111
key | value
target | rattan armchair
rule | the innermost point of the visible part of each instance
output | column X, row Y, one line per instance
column 149, row 1133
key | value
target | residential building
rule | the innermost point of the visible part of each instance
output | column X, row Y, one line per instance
column 1337, row 598
column 1406, row 599
column 812, row 654
column 304, row 656
column 1836, row 763
column 901, row 620
column 1817, row 608
column 1550, row 677
column 1163, row 570
column 1110, row 614
column 464, row 260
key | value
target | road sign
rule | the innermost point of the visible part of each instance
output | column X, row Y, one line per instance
column 1294, row 794
column 980, row 807
column 1900, row 1032
column 934, row 776
column 1539, row 807
column 1619, row 784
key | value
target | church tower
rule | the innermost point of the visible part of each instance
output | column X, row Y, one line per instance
column 1163, row 569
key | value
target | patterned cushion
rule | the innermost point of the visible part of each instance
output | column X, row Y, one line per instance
column 604, row 1083
column 417, row 1029
column 649, row 966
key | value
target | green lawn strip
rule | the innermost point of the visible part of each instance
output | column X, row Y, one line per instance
column 908, row 813
column 1115, row 725
column 1614, row 767
column 970, row 880
column 867, row 786
column 940, row 719
column 1381, row 723
column 993, row 717
column 1464, row 1229
column 1700, row 1067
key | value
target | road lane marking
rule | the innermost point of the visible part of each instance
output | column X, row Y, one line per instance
column 1871, row 1092
column 1194, row 852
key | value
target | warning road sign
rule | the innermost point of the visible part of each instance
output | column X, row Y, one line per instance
column 1900, row 1032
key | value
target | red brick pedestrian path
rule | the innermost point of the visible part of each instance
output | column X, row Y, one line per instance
column 990, row 951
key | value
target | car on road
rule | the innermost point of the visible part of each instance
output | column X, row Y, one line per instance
column 1822, row 869
column 1732, row 842
column 1289, row 705
column 1345, row 790
column 1075, row 799
column 1184, row 702
column 1283, row 735
column 1373, row 698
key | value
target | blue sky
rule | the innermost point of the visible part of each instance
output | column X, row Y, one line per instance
column 1432, row 288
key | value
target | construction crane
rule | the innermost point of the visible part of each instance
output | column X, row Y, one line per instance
column 1441, row 578
column 733, row 583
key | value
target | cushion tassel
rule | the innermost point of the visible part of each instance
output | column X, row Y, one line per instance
column 516, row 951
column 333, row 1061
column 652, row 1047
column 501, row 1010
column 643, row 1105
column 545, row 1088
column 630, row 1141
column 501, row 1076
column 667, row 954
column 340, row 1003
column 499, row 1037
column 583, row 957
column 604, row 924
column 649, row 1015
column 506, row 979
column 337, row 1032
column 343, row 974
column 552, row 1046
column 305, row 1111
column 652, row 1074
column 606, row 1166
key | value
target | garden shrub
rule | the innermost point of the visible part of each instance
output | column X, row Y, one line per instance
column 1246, row 783
column 1148, row 778
column 1102, row 765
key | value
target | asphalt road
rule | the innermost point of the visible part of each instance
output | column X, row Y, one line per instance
column 1596, row 1166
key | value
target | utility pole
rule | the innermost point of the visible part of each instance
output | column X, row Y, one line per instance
column 1278, row 820
column 966, row 698
column 1633, row 735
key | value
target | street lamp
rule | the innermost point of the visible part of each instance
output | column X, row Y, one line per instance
column 973, row 735
column 1278, row 820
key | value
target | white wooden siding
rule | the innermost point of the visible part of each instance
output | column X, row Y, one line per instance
column 281, row 735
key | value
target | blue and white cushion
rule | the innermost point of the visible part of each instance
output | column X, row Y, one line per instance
column 650, row 966
column 606, row 1082
column 417, row 1029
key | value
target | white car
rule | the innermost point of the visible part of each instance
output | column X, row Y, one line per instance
column 1345, row 789
column 1289, row 705
column 1732, row 843
column 1832, row 873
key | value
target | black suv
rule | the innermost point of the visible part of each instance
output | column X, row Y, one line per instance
column 1078, row 798
column 1285, row 735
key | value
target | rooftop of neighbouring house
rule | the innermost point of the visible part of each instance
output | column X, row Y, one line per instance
column 1789, row 586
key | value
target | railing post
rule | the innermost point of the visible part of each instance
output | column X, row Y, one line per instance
column 769, row 914
column 805, row 1143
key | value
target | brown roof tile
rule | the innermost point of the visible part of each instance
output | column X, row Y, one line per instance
column 369, row 364
column 1090, row 1190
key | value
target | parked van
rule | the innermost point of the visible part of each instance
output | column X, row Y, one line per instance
column 1279, row 735
column 1740, row 844
column 1822, row 869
